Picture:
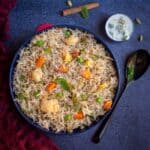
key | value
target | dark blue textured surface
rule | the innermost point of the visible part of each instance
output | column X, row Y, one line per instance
column 130, row 126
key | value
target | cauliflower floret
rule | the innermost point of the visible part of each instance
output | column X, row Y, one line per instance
column 50, row 106
column 72, row 40
column 37, row 75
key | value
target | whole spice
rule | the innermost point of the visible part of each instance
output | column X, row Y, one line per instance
column 69, row 3
column 138, row 21
column 140, row 38
column 77, row 9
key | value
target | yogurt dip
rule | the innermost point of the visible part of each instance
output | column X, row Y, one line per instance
column 119, row 27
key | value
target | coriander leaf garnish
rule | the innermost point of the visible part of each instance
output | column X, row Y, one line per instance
column 84, row 12
column 130, row 73
column 63, row 82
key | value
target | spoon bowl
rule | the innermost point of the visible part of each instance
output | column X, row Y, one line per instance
column 139, row 61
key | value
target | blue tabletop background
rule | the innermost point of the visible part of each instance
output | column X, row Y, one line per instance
column 130, row 125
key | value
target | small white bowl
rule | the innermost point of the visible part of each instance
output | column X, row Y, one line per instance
column 119, row 27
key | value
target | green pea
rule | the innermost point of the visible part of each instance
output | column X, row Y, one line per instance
column 80, row 60
column 59, row 94
column 99, row 100
column 67, row 117
column 67, row 33
column 40, row 43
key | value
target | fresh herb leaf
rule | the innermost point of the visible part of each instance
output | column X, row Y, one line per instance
column 40, row 43
column 125, row 37
column 110, row 25
column 84, row 12
column 111, row 33
column 67, row 33
column 47, row 50
column 80, row 60
column 130, row 73
column 36, row 94
column 63, row 82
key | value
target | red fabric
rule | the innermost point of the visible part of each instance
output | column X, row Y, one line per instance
column 43, row 27
column 15, row 132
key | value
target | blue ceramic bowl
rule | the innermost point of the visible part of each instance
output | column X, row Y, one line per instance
column 13, row 95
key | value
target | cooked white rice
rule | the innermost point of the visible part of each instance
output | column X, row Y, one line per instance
column 56, row 109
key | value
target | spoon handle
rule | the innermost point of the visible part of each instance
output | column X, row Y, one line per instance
column 106, row 120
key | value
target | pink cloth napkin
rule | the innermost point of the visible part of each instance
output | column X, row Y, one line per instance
column 15, row 132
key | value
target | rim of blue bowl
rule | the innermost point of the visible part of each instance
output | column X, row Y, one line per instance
column 29, row 119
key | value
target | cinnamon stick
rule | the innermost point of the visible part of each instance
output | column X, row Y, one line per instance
column 77, row 9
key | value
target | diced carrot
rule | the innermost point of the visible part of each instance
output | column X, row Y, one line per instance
column 62, row 69
column 86, row 74
column 75, row 54
column 107, row 105
column 79, row 115
column 51, row 86
column 40, row 61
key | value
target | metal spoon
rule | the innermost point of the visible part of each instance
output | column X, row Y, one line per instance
column 136, row 65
